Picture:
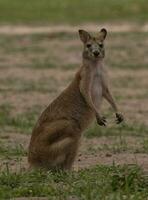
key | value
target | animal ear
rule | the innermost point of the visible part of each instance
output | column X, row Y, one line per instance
column 84, row 36
column 103, row 33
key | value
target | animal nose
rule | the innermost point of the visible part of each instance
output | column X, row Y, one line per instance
column 96, row 53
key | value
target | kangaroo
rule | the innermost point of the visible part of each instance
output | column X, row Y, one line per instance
column 57, row 133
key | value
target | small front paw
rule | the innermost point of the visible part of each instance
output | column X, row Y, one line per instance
column 119, row 118
column 101, row 121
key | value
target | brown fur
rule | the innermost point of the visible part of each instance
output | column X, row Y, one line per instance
column 56, row 136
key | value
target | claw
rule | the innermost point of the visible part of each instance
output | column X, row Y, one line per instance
column 119, row 118
column 104, row 119
column 101, row 121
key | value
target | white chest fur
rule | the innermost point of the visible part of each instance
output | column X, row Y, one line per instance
column 96, row 85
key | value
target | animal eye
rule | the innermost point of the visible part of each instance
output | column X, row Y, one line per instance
column 88, row 45
column 101, row 45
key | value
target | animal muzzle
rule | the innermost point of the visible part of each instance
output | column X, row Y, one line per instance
column 96, row 53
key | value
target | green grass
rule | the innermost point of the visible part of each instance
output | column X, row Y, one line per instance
column 126, row 50
column 118, row 146
column 40, row 51
column 135, row 129
column 145, row 145
column 25, row 121
column 11, row 152
column 22, row 122
column 20, row 85
column 101, row 182
column 66, row 11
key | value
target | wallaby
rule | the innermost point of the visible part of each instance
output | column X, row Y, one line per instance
column 56, row 136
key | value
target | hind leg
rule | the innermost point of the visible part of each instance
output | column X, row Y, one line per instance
column 66, row 159
column 71, row 153
column 56, row 147
column 67, row 151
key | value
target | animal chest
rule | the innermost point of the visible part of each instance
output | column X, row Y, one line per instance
column 96, row 87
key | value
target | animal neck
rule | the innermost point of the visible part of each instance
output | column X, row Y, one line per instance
column 93, row 63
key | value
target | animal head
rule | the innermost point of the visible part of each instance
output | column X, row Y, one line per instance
column 93, row 46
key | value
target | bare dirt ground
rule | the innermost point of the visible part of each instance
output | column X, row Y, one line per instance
column 114, row 27
column 129, row 85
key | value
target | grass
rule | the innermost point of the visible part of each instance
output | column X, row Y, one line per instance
column 25, row 121
column 22, row 122
column 100, row 182
column 135, row 129
column 39, row 51
column 67, row 11
column 125, row 49
column 145, row 145
column 11, row 152
column 115, row 147
column 22, row 85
